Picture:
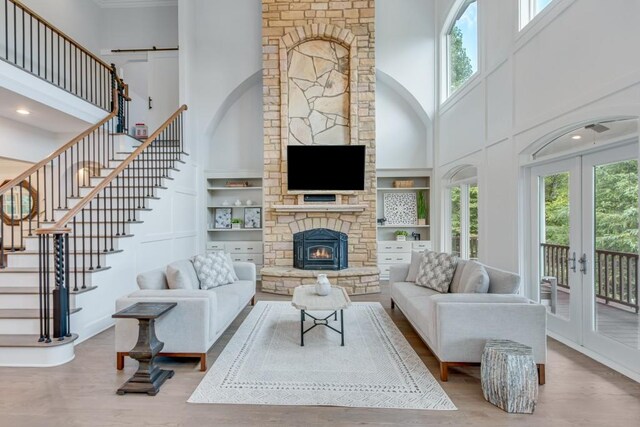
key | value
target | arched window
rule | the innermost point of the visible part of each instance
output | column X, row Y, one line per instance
column 463, row 212
column 462, row 46
column 529, row 9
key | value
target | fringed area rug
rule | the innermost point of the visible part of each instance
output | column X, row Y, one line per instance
column 264, row 364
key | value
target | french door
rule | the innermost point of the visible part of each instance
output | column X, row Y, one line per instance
column 585, row 250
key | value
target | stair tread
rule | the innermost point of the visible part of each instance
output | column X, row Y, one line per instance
column 32, row 341
column 81, row 235
column 71, row 253
column 31, row 290
column 37, row 270
column 26, row 313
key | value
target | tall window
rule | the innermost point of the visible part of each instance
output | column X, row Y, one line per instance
column 463, row 213
column 462, row 46
column 530, row 8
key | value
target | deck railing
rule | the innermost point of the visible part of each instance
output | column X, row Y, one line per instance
column 615, row 273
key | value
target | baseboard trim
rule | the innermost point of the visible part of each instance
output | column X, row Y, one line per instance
column 95, row 327
column 597, row 357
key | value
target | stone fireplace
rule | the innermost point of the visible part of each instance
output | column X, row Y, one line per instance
column 320, row 249
column 319, row 89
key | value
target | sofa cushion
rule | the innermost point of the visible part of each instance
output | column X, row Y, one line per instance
column 474, row 279
column 455, row 282
column 414, row 267
column 213, row 270
column 154, row 279
column 436, row 270
column 230, row 299
column 502, row 282
column 182, row 275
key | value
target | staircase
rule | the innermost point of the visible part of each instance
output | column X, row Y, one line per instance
column 69, row 214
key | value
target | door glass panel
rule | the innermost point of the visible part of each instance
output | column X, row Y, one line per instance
column 555, row 290
column 616, row 251
column 455, row 221
column 473, row 221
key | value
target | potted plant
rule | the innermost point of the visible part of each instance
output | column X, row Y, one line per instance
column 422, row 209
column 236, row 223
column 401, row 235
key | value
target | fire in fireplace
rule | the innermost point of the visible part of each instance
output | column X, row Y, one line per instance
column 320, row 249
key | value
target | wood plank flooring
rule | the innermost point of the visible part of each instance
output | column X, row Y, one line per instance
column 579, row 391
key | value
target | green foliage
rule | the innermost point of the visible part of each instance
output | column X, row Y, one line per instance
column 556, row 209
column 236, row 221
column 422, row 206
column 401, row 233
column 459, row 62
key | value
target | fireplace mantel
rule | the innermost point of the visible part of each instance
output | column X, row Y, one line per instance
column 320, row 207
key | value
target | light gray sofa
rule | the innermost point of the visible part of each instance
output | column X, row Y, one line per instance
column 194, row 325
column 456, row 326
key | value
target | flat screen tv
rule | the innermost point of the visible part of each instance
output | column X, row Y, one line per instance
column 326, row 167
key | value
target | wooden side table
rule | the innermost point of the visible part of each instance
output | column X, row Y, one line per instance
column 149, row 376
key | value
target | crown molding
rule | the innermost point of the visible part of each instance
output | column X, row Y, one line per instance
column 110, row 4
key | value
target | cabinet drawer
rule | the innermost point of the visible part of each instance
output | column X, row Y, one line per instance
column 394, row 246
column 421, row 245
column 254, row 258
column 215, row 246
column 384, row 269
column 394, row 258
column 244, row 247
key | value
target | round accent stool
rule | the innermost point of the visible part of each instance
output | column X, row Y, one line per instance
column 355, row 280
column 509, row 376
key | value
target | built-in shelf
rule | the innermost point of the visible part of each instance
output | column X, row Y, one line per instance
column 320, row 208
column 403, row 188
column 233, row 188
column 234, row 229
column 404, row 226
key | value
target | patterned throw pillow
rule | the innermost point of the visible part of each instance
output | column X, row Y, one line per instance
column 213, row 270
column 436, row 271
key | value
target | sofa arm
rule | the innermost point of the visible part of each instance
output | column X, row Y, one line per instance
column 463, row 328
column 187, row 328
column 245, row 270
column 398, row 273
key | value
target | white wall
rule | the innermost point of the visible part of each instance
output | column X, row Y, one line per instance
column 22, row 142
column 572, row 63
column 10, row 168
column 140, row 27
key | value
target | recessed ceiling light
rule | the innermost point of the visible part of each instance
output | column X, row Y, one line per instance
column 23, row 111
column 576, row 137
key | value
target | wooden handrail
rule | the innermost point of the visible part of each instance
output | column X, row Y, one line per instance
column 24, row 175
column 61, row 225
column 60, row 32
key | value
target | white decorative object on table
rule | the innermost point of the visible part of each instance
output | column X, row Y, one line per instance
column 238, row 202
column 225, row 203
column 249, row 202
column 509, row 376
column 400, row 208
column 323, row 286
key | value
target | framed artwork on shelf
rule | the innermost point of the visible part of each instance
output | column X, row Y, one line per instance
column 400, row 208
column 252, row 217
column 223, row 218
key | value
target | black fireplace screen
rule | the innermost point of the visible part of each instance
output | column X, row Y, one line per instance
column 320, row 249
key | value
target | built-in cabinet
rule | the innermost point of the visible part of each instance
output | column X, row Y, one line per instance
column 244, row 203
column 401, row 215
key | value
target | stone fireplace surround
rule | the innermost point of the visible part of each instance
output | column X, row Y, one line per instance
column 347, row 25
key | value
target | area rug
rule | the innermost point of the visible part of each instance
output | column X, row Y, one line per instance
column 264, row 364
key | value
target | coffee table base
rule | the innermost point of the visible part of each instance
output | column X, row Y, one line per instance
column 321, row 322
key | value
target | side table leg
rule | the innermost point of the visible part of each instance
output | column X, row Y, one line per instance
column 342, row 326
column 302, row 328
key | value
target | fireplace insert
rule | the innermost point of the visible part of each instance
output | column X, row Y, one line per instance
column 320, row 249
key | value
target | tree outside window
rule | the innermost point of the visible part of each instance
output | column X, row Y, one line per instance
column 462, row 45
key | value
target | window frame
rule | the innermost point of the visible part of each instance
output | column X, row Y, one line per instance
column 465, row 185
column 459, row 7
column 527, row 12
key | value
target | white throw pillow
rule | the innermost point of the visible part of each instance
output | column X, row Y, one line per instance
column 182, row 275
column 213, row 270
column 414, row 267
column 474, row 279
column 436, row 271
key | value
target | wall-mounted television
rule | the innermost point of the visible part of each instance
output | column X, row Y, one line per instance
column 326, row 167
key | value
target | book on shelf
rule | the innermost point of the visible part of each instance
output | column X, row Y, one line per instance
column 237, row 184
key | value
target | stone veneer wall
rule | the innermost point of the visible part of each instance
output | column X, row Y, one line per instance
column 286, row 25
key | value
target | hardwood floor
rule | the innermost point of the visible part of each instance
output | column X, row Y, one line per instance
column 579, row 391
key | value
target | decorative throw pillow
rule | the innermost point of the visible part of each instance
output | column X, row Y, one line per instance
column 456, row 285
column 474, row 279
column 436, row 270
column 416, row 259
column 182, row 275
column 213, row 270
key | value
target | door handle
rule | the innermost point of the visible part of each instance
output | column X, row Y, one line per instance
column 572, row 262
column 150, row 105
column 583, row 263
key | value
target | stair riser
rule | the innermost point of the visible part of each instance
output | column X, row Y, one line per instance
column 151, row 163
column 28, row 301
column 108, row 213
column 84, row 228
column 31, row 244
column 142, row 178
column 138, row 192
column 31, row 260
column 24, row 326
column 32, row 279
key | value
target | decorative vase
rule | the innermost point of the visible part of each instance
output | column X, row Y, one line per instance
column 401, row 238
column 234, row 225
column 249, row 202
column 422, row 221
column 323, row 286
column 238, row 202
